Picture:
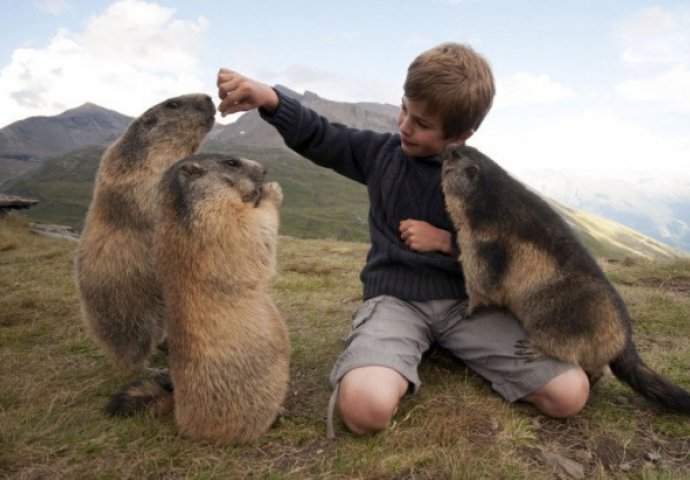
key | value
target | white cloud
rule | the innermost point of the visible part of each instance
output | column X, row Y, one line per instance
column 530, row 88
column 52, row 7
column 593, row 143
column 133, row 55
column 655, row 36
column 325, row 83
column 655, row 43
column 144, row 35
column 671, row 88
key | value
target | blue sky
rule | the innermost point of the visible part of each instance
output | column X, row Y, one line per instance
column 588, row 88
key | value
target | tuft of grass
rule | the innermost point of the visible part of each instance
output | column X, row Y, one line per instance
column 55, row 382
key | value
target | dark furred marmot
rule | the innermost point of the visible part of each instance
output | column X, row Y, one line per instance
column 216, row 254
column 517, row 252
column 120, row 297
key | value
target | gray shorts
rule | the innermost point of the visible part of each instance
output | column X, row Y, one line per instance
column 393, row 333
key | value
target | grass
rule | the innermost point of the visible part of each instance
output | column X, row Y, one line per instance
column 55, row 381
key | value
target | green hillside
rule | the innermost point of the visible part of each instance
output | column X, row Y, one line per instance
column 63, row 185
column 318, row 202
column 609, row 239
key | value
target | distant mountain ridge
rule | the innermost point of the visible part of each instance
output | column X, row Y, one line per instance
column 42, row 137
column 26, row 144
column 55, row 159
column 250, row 131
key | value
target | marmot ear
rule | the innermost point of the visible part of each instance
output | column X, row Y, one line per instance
column 472, row 171
column 192, row 169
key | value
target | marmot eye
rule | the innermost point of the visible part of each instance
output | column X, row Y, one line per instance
column 172, row 104
column 232, row 162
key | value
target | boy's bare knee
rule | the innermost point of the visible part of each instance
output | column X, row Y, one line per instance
column 564, row 395
column 365, row 413
column 368, row 399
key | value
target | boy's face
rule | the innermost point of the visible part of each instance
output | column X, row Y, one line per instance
column 421, row 131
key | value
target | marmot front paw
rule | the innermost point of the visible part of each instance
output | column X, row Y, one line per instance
column 272, row 191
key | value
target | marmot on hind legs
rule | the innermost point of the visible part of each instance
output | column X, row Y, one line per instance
column 215, row 255
column 120, row 296
column 518, row 253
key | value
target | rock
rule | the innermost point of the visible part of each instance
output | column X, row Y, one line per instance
column 13, row 202
column 571, row 467
column 653, row 456
column 62, row 232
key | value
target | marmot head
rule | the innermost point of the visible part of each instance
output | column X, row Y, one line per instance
column 167, row 131
column 204, row 183
column 472, row 185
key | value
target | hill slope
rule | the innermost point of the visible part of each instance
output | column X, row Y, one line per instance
column 318, row 202
column 27, row 143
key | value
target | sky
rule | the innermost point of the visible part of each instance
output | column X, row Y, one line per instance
column 588, row 88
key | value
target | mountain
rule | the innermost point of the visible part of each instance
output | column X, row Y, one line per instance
column 26, row 144
column 610, row 239
column 656, row 207
column 250, row 131
column 318, row 202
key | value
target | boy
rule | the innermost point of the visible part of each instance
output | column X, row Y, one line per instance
column 413, row 287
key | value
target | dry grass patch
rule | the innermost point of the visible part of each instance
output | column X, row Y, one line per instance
column 55, row 382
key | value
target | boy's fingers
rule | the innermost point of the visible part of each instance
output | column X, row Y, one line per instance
column 224, row 75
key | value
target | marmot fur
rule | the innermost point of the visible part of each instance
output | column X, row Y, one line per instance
column 120, row 296
column 517, row 252
column 215, row 255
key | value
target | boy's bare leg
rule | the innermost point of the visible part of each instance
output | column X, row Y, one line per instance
column 563, row 396
column 369, row 396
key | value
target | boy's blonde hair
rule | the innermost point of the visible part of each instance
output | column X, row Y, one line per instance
column 454, row 81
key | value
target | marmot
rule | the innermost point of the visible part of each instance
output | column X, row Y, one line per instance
column 517, row 252
column 120, row 296
column 215, row 244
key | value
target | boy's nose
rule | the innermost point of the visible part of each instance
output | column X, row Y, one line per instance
column 404, row 127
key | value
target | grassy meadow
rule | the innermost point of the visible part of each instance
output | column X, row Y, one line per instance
column 54, row 382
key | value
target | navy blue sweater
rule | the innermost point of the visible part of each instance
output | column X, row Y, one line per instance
column 400, row 187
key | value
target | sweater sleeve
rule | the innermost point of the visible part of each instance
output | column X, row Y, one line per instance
column 348, row 151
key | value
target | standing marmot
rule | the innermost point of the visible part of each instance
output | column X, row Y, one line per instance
column 120, row 297
column 517, row 252
column 215, row 245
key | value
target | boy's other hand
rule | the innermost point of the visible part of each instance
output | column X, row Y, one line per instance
column 420, row 236
column 240, row 94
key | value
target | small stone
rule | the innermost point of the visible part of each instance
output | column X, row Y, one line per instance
column 653, row 456
column 583, row 456
column 574, row 469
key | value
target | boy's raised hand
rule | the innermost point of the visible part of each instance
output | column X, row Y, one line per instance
column 240, row 94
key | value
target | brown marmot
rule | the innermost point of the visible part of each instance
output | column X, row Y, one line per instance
column 120, row 296
column 517, row 252
column 215, row 245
